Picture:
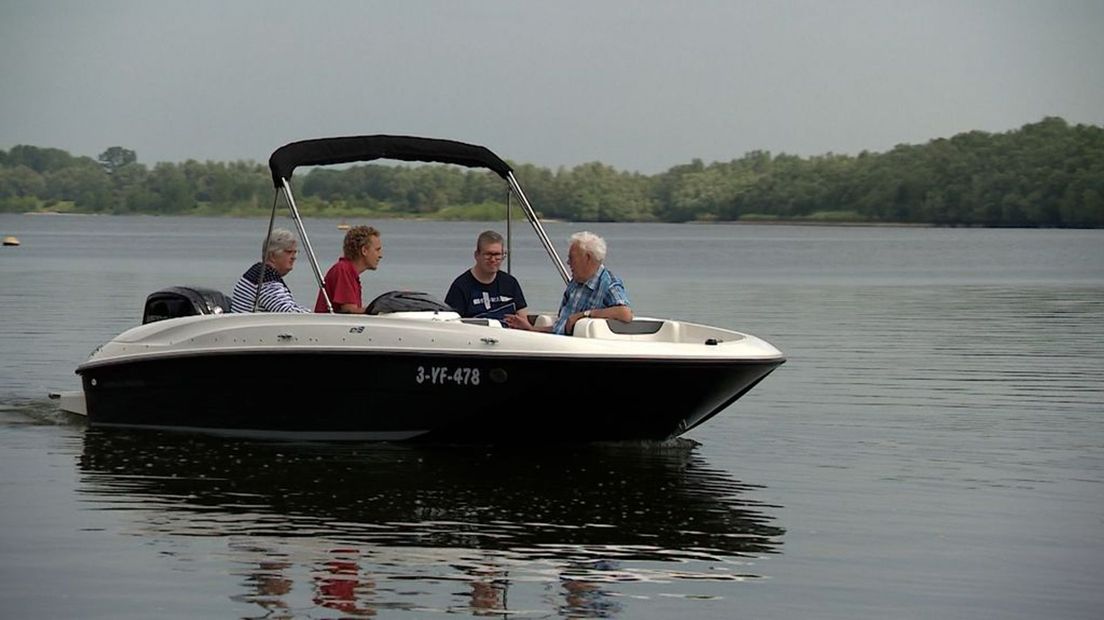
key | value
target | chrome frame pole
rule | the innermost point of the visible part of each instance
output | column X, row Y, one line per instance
column 508, row 219
column 306, row 243
column 264, row 253
column 537, row 228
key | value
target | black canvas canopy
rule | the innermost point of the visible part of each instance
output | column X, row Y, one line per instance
column 325, row 151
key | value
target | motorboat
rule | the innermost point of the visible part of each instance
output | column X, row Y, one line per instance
column 410, row 369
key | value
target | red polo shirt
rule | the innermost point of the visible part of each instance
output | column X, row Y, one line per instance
column 343, row 285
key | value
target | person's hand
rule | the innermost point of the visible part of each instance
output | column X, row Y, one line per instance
column 518, row 322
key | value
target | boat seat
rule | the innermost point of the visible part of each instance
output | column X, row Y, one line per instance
column 542, row 320
column 635, row 327
column 638, row 329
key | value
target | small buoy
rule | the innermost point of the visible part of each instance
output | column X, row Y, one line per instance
column 9, row 240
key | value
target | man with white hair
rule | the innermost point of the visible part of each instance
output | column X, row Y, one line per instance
column 593, row 292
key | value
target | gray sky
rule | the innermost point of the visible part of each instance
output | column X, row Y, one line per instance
column 638, row 85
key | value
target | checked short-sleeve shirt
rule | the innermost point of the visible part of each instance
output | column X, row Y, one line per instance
column 602, row 290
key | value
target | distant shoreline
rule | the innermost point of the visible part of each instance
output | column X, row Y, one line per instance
column 819, row 223
column 64, row 213
column 425, row 218
column 1043, row 175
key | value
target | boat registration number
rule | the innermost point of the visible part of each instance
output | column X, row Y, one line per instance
column 443, row 375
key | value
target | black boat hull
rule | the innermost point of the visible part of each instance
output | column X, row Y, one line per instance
column 424, row 397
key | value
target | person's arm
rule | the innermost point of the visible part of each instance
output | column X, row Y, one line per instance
column 340, row 308
column 519, row 300
column 616, row 302
column 276, row 297
column 454, row 298
column 521, row 321
column 620, row 313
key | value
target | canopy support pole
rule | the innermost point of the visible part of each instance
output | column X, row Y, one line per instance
column 537, row 228
column 508, row 220
column 306, row 243
column 264, row 255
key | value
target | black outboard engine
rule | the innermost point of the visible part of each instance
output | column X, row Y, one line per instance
column 406, row 301
column 178, row 301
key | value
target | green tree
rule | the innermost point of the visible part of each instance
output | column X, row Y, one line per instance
column 85, row 185
column 116, row 157
column 21, row 181
column 41, row 160
column 170, row 185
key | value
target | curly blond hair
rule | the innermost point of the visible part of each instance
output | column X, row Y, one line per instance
column 356, row 238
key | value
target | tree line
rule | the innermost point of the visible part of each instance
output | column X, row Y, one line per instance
column 1044, row 174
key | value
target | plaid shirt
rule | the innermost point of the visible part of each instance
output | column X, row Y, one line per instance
column 603, row 290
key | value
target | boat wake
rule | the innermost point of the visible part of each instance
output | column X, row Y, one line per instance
column 39, row 412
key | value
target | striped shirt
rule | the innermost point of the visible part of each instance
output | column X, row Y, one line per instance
column 602, row 290
column 275, row 295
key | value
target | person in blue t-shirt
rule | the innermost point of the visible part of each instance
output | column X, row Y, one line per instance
column 484, row 291
column 593, row 292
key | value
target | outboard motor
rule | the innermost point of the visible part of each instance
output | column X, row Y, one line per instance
column 406, row 301
column 178, row 301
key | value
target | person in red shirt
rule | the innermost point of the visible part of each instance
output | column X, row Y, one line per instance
column 363, row 250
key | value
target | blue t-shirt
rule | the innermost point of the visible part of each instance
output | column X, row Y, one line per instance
column 473, row 299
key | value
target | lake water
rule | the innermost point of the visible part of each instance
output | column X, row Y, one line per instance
column 934, row 448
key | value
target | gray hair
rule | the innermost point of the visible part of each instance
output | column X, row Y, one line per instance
column 591, row 244
column 281, row 240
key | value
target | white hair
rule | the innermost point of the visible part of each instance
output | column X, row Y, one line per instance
column 281, row 240
column 591, row 244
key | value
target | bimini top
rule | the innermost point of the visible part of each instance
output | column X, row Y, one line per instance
column 325, row 151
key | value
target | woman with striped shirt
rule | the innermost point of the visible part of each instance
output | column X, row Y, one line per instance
column 275, row 296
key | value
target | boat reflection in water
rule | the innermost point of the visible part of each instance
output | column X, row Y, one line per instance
column 363, row 523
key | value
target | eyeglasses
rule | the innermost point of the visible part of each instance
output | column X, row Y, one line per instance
column 494, row 255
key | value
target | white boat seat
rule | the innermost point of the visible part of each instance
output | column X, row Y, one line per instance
column 542, row 320
column 637, row 329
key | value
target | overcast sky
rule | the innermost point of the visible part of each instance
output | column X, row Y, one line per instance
column 638, row 85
